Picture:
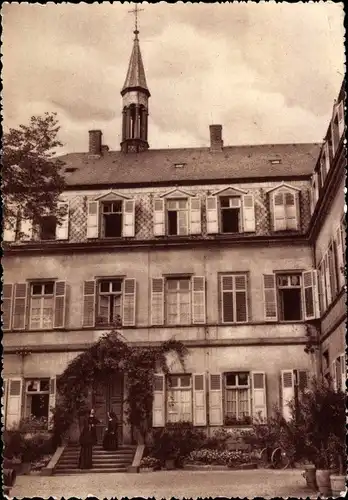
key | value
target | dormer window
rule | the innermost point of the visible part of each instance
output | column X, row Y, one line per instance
column 230, row 213
column 111, row 216
column 112, row 219
column 285, row 208
column 177, row 217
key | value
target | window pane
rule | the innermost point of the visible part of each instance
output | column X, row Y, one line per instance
column 104, row 307
column 172, row 284
column 224, row 202
column 231, row 379
column 107, row 208
column 231, row 402
column 116, row 307
column 35, row 313
column 116, row 286
column 243, row 403
column 182, row 204
column 241, row 306
column 173, row 380
column 227, row 299
column 184, row 284
column 36, row 289
column 105, row 286
column 243, row 379
column 185, row 380
column 47, row 313
column 184, row 307
column 49, row 288
column 44, row 385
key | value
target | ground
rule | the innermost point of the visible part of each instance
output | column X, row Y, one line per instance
column 167, row 484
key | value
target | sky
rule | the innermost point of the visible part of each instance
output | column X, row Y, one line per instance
column 268, row 73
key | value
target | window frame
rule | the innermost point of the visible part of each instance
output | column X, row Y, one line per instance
column 168, row 279
column 234, row 291
column 42, row 297
column 280, row 310
column 102, row 215
column 285, row 191
column 40, row 392
column 246, row 419
column 108, row 294
column 177, row 210
column 221, row 210
column 178, row 389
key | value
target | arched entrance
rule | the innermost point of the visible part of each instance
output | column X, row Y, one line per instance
column 108, row 397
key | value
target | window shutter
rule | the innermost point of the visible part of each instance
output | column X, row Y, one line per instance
column 198, row 299
column 157, row 301
column 52, row 401
column 129, row 301
column 333, row 375
column 291, row 210
column 248, row 213
column 20, row 306
column 158, row 405
column 340, row 117
column 4, row 400
column 227, row 294
column 343, row 372
column 340, row 257
column 323, row 285
column 93, row 219
column 89, row 298
column 302, row 379
column 128, row 218
column 62, row 229
column 212, row 215
column 14, row 402
column 59, row 304
column 9, row 227
column 327, row 155
column 199, row 400
column 26, row 229
column 327, row 278
column 279, row 221
column 195, row 216
column 158, row 217
column 270, row 297
column 259, row 397
column 240, row 281
column 7, row 301
column 310, row 292
column 215, row 399
column 288, row 391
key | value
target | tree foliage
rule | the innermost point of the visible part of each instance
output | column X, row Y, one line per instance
column 31, row 175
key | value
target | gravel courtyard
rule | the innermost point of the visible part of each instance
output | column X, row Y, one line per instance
column 167, row 484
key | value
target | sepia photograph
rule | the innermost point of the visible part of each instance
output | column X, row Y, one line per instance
column 173, row 250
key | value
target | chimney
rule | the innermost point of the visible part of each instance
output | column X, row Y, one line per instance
column 95, row 142
column 216, row 142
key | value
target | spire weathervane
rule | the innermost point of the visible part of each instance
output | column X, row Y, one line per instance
column 135, row 12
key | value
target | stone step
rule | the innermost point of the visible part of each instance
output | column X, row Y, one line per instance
column 71, row 471
column 95, row 465
column 96, row 461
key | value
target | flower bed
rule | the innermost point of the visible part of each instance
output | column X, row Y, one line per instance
column 216, row 457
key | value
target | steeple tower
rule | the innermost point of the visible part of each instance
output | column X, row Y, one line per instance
column 135, row 96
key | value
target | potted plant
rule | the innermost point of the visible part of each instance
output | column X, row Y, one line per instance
column 337, row 447
column 148, row 464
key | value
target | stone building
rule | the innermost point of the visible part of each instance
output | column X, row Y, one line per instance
column 238, row 251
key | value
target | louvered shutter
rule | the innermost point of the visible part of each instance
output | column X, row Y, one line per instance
column 128, row 218
column 26, row 229
column 343, row 372
column 195, row 216
column 14, row 403
column 291, row 210
column 259, row 398
column 227, row 291
column 212, row 215
column 198, row 299
column 199, row 400
column 158, row 217
column 334, row 375
column 129, row 302
column 270, row 297
column 59, row 304
column 323, row 285
column 157, row 301
column 340, row 258
column 215, row 399
column 93, row 219
column 340, row 117
column 327, row 279
column 248, row 213
column 288, row 391
column 310, row 291
column 158, row 405
column 62, row 229
column 7, row 301
column 20, row 306
column 240, row 282
column 4, row 400
column 89, row 299
column 279, row 220
column 52, row 401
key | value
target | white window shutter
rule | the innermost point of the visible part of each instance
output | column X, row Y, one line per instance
column 287, row 391
column 343, row 372
column 270, row 297
column 89, row 303
column 323, row 285
column 26, row 229
column 240, row 281
column 340, row 256
column 52, row 401
column 198, row 300
column 93, row 219
column 327, row 279
column 129, row 302
column 215, row 399
column 60, row 295
column 259, row 397
column 20, row 306
column 7, row 304
column 199, row 400
column 340, row 117
column 279, row 221
column 128, row 218
column 291, row 214
column 212, row 215
column 62, row 229
column 4, row 401
column 157, row 301
column 333, row 375
column 158, row 217
column 14, row 403
column 310, row 293
column 158, row 405
column 195, row 216
column 248, row 213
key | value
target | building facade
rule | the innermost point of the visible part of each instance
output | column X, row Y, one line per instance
column 237, row 251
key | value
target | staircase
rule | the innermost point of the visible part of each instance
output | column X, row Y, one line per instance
column 103, row 461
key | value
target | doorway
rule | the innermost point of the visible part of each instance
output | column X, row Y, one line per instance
column 108, row 397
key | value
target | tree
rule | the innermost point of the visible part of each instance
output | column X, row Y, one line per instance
column 31, row 175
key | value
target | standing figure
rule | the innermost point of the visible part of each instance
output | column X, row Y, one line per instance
column 93, row 421
column 110, row 441
column 85, row 459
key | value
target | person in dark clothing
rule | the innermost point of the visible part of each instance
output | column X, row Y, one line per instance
column 85, row 459
column 92, row 422
column 110, row 441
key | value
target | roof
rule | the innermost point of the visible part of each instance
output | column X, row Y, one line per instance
column 197, row 165
column 135, row 78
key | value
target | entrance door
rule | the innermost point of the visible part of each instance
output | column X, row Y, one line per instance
column 108, row 397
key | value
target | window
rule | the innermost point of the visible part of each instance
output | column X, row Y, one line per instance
column 237, row 398
column 47, row 227
column 332, row 270
column 37, row 398
column 109, row 302
column 339, row 373
column 179, row 398
column 178, row 301
column 234, row 298
column 285, row 210
column 326, row 360
column 112, row 219
column 289, row 297
column 111, row 216
column 230, row 213
column 41, row 305
column 177, row 217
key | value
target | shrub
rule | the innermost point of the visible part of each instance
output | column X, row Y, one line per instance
column 32, row 424
column 150, row 462
column 13, row 442
column 218, row 457
column 36, row 446
column 217, row 441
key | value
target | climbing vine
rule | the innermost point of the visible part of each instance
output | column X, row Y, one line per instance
column 110, row 356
